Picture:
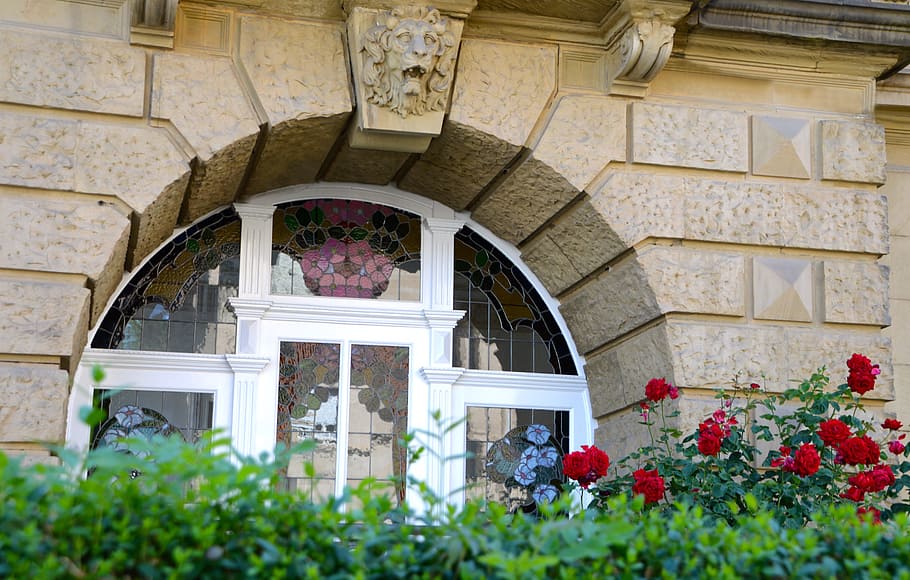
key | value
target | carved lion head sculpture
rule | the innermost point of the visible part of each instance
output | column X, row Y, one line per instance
column 408, row 58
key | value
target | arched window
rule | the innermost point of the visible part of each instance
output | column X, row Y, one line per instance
column 349, row 316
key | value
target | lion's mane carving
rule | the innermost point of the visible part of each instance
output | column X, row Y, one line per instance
column 408, row 58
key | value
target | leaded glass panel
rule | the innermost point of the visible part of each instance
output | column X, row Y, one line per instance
column 378, row 415
column 136, row 413
column 178, row 301
column 345, row 248
column 308, row 410
column 515, row 455
column 507, row 325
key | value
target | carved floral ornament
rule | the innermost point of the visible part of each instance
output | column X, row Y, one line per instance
column 408, row 58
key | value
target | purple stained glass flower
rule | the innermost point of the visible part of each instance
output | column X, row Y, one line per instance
column 537, row 434
column 129, row 416
column 547, row 457
column 524, row 475
column 545, row 493
column 530, row 457
column 346, row 269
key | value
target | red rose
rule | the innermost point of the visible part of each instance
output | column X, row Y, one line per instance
column 649, row 484
column 862, row 480
column 892, row 424
column 896, row 447
column 784, row 461
column 859, row 451
column 577, row 466
column 862, row 375
column 854, row 494
column 882, row 477
column 806, row 462
column 657, row 389
column 834, row 432
column 708, row 444
column 598, row 460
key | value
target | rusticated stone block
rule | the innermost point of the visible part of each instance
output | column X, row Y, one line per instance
column 502, row 87
column 458, row 164
column 708, row 355
column 524, row 201
column 33, row 399
column 68, row 235
column 37, row 152
column 299, row 74
column 583, row 136
column 142, row 167
column 71, row 72
column 690, row 137
column 203, row 98
column 853, row 151
column 42, row 318
column 856, row 293
column 659, row 280
column 621, row 434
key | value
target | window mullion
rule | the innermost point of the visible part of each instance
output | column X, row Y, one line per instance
column 344, row 417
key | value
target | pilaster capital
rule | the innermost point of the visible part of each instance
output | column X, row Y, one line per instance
column 254, row 211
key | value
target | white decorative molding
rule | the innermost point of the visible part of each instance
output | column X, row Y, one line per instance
column 255, row 249
column 243, row 404
column 403, row 61
column 439, row 285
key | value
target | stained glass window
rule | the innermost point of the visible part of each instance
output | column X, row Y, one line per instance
column 345, row 248
column 507, row 325
column 134, row 413
column 178, row 301
column 308, row 410
column 515, row 455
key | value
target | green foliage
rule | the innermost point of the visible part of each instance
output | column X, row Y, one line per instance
column 196, row 513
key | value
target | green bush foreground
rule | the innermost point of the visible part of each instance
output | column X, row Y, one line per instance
column 193, row 513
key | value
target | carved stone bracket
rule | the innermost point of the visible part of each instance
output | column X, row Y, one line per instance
column 641, row 37
column 403, row 60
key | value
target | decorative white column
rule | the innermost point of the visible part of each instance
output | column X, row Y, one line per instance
column 441, row 248
column 441, row 444
column 243, row 404
column 255, row 249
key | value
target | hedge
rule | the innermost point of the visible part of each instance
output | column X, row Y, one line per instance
column 196, row 513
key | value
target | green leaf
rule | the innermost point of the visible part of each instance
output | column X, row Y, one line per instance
column 192, row 246
column 291, row 223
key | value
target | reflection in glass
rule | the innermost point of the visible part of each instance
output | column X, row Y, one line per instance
column 308, row 410
column 379, row 415
column 134, row 413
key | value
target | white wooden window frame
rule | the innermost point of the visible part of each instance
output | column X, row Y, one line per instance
column 245, row 384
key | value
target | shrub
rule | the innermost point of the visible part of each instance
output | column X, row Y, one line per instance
column 823, row 453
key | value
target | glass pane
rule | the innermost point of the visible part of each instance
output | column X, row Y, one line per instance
column 345, row 248
column 308, row 410
column 378, row 415
column 189, row 280
column 515, row 455
column 507, row 325
column 134, row 413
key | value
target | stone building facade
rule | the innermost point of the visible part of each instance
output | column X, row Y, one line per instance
column 703, row 187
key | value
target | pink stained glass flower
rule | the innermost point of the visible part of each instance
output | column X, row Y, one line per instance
column 346, row 269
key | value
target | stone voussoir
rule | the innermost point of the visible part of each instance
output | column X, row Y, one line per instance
column 298, row 72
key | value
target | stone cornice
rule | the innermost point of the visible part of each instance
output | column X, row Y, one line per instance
column 452, row 8
column 885, row 27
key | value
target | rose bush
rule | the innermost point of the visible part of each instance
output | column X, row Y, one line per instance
column 796, row 452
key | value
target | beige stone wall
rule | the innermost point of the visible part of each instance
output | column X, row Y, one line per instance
column 692, row 228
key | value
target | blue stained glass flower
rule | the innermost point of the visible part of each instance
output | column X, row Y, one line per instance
column 524, row 475
column 547, row 457
column 537, row 434
column 129, row 416
column 530, row 457
column 545, row 493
